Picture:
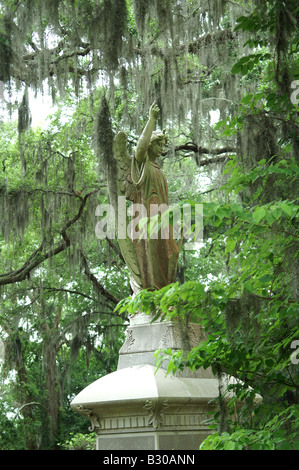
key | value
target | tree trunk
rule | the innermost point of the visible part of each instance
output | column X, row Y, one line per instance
column 27, row 411
column 52, row 388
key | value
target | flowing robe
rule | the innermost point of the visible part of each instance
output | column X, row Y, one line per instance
column 157, row 258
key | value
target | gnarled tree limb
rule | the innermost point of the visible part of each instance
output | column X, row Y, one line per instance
column 39, row 256
column 98, row 286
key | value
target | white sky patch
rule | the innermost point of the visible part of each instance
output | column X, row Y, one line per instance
column 214, row 115
column 41, row 107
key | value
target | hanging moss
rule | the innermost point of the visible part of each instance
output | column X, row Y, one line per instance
column 141, row 8
column 241, row 313
column 70, row 173
column 167, row 29
column 257, row 141
column 107, row 29
column 14, row 214
column 104, row 146
column 24, row 115
column 164, row 12
column 5, row 49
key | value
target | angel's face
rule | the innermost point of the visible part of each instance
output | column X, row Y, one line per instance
column 156, row 148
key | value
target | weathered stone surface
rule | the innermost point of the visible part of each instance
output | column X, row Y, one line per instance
column 141, row 408
column 151, row 260
column 144, row 337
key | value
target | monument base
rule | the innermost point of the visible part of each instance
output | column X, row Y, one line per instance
column 140, row 408
column 145, row 336
column 151, row 441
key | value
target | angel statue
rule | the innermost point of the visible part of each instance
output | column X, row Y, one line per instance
column 152, row 261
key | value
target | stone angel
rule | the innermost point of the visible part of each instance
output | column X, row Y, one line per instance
column 152, row 261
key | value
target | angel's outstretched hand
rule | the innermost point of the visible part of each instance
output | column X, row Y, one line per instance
column 154, row 111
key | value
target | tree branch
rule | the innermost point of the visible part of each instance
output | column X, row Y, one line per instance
column 68, row 291
column 33, row 403
column 98, row 286
column 38, row 257
column 115, row 248
column 219, row 37
column 63, row 52
column 192, row 147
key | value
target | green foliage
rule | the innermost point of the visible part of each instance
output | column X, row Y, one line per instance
column 249, row 306
column 247, row 63
column 273, row 436
column 55, row 326
column 80, row 442
column 11, row 437
column 60, row 285
column 250, row 314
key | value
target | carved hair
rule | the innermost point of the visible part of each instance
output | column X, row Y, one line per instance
column 159, row 135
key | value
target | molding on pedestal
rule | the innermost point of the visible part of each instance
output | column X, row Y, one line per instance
column 88, row 413
column 156, row 412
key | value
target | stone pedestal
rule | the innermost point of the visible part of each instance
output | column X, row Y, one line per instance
column 141, row 408
column 145, row 336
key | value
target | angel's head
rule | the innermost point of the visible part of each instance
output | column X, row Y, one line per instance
column 157, row 143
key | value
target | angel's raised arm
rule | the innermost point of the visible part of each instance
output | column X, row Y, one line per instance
column 144, row 139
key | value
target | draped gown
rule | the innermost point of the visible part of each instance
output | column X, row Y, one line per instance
column 157, row 258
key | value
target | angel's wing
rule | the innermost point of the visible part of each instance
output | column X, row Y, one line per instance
column 124, row 162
